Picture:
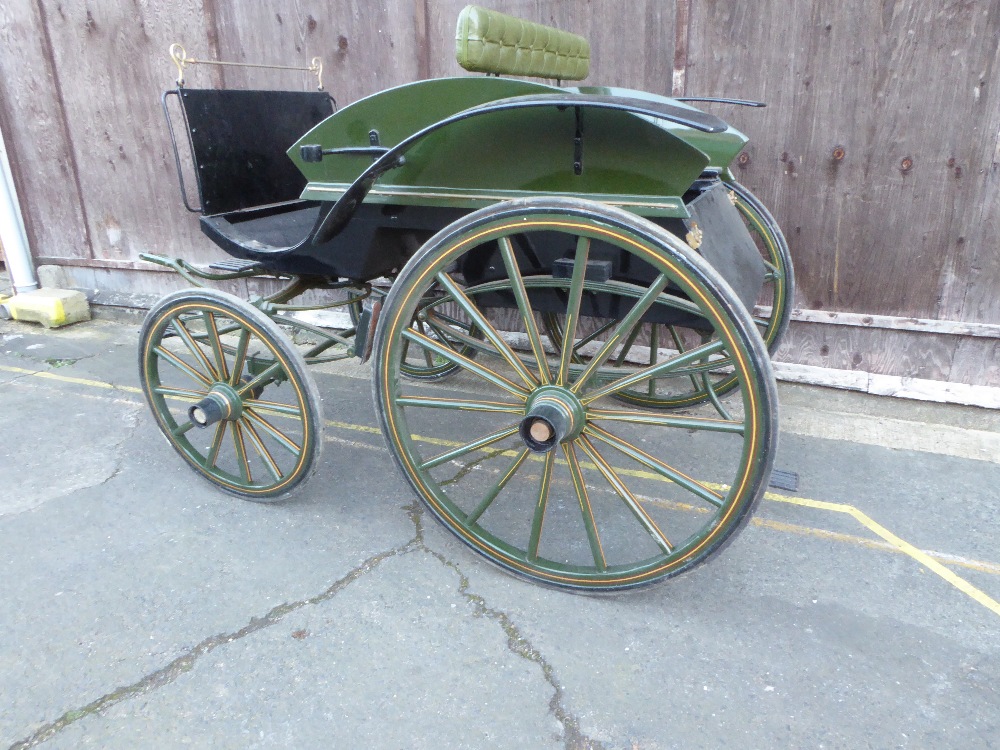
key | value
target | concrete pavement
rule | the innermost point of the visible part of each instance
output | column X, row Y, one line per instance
column 140, row 607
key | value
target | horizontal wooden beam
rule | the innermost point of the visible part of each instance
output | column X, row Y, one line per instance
column 894, row 323
column 890, row 385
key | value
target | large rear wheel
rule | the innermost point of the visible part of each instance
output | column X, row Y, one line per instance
column 528, row 457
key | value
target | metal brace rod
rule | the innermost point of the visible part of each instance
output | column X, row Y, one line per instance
column 179, row 55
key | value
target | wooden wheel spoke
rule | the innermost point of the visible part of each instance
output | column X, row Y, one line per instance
column 714, row 397
column 600, row 331
column 460, row 404
column 654, row 356
column 239, row 360
column 631, row 502
column 586, row 510
column 212, row 457
column 625, row 327
column 497, row 488
column 677, row 477
column 181, row 428
column 262, row 451
column 538, row 519
column 477, row 317
column 627, row 346
column 464, row 362
column 182, row 394
column 573, row 308
column 241, row 453
column 263, row 379
column 181, row 365
column 193, row 347
column 222, row 370
column 273, row 407
column 524, row 307
column 474, row 445
column 654, row 419
column 658, row 370
column 280, row 438
column 680, row 348
column 428, row 357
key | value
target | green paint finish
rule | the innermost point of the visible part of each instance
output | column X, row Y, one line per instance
column 574, row 416
column 552, row 516
column 721, row 148
column 528, row 150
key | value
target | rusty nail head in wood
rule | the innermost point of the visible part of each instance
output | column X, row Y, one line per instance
column 838, row 153
column 907, row 164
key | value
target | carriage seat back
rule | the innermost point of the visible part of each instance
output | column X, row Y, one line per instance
column 491, row 42
column 238, row 142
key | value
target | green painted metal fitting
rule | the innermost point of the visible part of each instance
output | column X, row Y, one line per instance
column 553, row 415
column 221, row 403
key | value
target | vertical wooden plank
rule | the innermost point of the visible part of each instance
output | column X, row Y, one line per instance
column 365, row 47
column 424, row 44
column 970, row 287
column 38, row 136
column 682, row 32
column 112, row 62
column 867, row 109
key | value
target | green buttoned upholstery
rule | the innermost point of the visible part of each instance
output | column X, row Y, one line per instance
column 491, row 42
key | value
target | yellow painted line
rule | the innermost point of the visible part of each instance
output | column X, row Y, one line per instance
column 905, row 547
column 67, row 379
column 881, row 546
column 876, row 528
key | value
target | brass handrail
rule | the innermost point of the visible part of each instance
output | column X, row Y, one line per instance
column 179, row 55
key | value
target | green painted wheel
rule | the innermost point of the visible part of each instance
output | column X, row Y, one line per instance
column 442, row 322
column 651, row 342
column 527, row 456
column 230, row 393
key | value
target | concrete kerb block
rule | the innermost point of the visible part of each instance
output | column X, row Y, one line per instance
column 50, row 307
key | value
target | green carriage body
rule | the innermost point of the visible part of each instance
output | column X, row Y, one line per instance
column 629, row 159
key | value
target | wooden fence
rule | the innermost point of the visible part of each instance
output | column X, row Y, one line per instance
column 878, row 151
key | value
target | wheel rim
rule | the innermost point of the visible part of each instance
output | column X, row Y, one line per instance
column 437, row 319
column 580, row 513
column 651, row 342
column 230, row 394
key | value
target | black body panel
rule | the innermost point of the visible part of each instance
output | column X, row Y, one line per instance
column 239, row 140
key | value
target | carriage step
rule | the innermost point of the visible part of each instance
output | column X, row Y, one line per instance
column 236, row 266
column 784, row 480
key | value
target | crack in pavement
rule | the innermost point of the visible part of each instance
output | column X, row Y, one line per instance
column 518, row 644
column 186, row 662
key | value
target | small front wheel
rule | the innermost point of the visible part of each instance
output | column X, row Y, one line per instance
column 230, row 393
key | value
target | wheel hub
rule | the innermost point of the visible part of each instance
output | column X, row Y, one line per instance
column 553, row 415
column 221, row 403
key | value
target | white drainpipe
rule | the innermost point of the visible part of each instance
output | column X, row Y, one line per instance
column 12, row 234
